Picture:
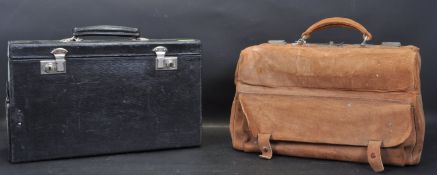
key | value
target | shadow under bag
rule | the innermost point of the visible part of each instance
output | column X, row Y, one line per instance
column 349, row 102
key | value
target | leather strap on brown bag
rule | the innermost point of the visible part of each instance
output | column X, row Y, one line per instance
column 264, row 146
column 336, row 22
column 374, row 155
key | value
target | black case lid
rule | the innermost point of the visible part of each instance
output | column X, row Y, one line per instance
column 39, row 49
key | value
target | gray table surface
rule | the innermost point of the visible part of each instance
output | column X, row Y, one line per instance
column 215, row 156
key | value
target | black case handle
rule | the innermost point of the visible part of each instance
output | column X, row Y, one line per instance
column 106, row 30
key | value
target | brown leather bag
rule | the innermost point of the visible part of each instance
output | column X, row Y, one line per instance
column 359, row 103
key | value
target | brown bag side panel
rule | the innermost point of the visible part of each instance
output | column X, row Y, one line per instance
column 420, row 131
column 240, row 133
column 419, row 117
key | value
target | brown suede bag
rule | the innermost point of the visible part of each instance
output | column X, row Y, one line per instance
column 359, row 103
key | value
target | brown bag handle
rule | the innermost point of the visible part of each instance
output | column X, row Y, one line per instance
column 335, row 22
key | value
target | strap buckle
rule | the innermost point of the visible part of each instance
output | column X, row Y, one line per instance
column 374, row 155
column 265, row 146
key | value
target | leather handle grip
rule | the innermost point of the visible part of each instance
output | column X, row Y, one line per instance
column 336, row 22
column 106, row 30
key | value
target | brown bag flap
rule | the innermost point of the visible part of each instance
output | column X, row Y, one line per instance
column 338, row 121
column 370, row 68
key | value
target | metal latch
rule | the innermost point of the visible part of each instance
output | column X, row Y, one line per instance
column 391, row 44
column 57, row 65
column 276, row 42
column 163, row 62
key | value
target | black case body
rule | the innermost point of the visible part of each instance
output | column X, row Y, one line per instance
column 111, row 99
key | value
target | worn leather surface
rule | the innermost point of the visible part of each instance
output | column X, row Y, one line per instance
column 330, row 102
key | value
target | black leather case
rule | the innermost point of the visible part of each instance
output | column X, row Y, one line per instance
column 81, row 96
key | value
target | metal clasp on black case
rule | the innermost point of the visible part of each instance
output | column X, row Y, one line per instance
column 164, row 62
column 56, row 66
